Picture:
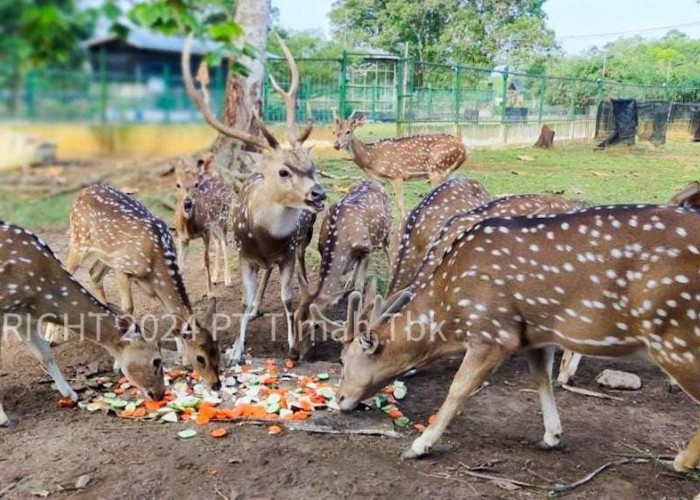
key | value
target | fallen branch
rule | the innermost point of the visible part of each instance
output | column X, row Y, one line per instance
column 12, row 486
column 586, row 392
column 328, row 175
column 556, row 488
column 448, row 478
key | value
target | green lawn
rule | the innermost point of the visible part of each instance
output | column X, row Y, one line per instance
column 616, row 175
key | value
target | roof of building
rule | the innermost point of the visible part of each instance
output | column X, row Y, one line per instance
column 143, row 39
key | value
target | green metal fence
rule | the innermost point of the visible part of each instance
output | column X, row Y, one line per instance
column 414, row 95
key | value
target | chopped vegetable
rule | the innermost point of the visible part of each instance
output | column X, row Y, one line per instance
column 402, row 422
column 323, row 376
column 432, row 419
column 66, row 403
column 274, row 429
column 219, row 432
column 400, row 392
column 187, row 434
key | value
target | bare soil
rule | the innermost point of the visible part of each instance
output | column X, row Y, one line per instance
column 51, row 446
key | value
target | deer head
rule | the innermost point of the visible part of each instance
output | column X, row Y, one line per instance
column 689, row 196
column 140, row 361
column 290, row 173
column 198, row 345
column 345, row 128
column 363, row 355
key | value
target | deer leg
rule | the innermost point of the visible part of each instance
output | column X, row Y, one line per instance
column 217, row 258
column 97, row 272
column 541, row 361
column 249, row 276
column 42, row 351
column 477, row 365
column 224, row 256
column 206, row 240
column 124, row 287
column 182, row 246
column 398, row 191
column 360, row 272
column 286, row 273
column 684, row 373
column 4, row 419
column 301, row 259
column 261, row 292
column 75, row 257
column 568, row 366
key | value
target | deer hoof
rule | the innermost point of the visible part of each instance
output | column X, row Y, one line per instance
column 417, row 450
column 552, row 442
column 682, row 463
column 673, row 388
column 8, row 424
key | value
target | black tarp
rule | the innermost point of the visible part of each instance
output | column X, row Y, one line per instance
column 625, row 120
column 653, row 120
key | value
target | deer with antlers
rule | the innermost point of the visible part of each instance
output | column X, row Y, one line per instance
column 353, row 228
column 266, row 219
column 37, row 290
column 203, row 211
column 689, row 197
column 606, row 281
column 113, row 231
column 433, row 239
column 397, row 160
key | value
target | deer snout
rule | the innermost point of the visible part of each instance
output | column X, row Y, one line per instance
column 188, row 206
column 156, row 395
column 316, row 197
column 337, row 146
column 293, row 354
column 216, row 386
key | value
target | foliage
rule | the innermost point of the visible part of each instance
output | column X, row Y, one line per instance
column 35, row 33
column 673, row 60
column 448, row 31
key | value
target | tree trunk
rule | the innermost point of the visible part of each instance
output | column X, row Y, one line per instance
column 243, row 93
column 546, row 139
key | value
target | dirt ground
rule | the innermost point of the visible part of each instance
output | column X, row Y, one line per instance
column 51, row 446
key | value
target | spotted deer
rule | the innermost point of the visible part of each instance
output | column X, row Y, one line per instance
column 35, row 289
column 353, row 228
column 689, row 196
column 397, row 160
column 267, row 217
column 203, row 211
column 111, row 230
column 606, row 281
column 452, row 197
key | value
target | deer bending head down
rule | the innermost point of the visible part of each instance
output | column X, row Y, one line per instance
column 353, row 228
column 112, row 230
column 35, row 289
column 431, row 157
column 266, row 220
column 607, row 281
column 203, row 211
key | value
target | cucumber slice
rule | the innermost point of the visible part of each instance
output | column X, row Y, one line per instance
column 402, row 422
column 93, row 407
column 130, row 407
column 170, row 417
column 187, row 434
column 400, row 391
column 380, row 400
column 327, row 393
column 323, row 376
column 109, row 395
column 119, row 404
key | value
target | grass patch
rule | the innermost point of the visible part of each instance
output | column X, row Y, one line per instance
column 37, row 213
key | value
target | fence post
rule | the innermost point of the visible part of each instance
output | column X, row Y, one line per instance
column 30, row 93
column 457, row 97
column 540, row 106
column 343, row 85
column 103, row 85
column 167, row 95
column 373, row 105
column 400, row 90
column 504, row 95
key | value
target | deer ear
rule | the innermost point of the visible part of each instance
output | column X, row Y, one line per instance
column 184, row 328
column 205, row 165
column 369, row 342
column 686, row 194
column 211, row 311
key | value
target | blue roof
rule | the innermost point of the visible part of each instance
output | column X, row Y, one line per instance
column 140, row 38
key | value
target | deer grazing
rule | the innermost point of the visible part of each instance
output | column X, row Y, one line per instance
column 353, row 227
column 689, row 197
column 417, row 157
column 266, row 219
column 606, row 281
column 112, row 230
column 35, row 289
column 203, row 211
column 452, row 197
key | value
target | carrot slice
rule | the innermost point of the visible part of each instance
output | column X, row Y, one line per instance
column 274, row 429
column 127, row 413
column 139, row 413
column 395, row 414
column 419, row 427
column 119, row 391
column 432, row 419
column 154, row 405
column 66, row 403
column 219, row 432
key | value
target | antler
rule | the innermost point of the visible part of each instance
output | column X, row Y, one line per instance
column 202, row 103
column 290, row 97
column 309, row 124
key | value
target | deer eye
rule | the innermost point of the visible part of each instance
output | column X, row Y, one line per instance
column 179, row 185
column 201, row 360
column 196, row 185
column 157, row 363
column 284, row 173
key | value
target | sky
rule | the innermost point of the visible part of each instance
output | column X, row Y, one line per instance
column 572, row 20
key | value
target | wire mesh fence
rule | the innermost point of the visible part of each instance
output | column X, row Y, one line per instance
column 487, row 105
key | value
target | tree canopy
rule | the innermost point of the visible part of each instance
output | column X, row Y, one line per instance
column 481, row 33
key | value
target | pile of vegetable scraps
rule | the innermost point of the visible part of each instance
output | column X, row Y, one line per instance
column 257, row 391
